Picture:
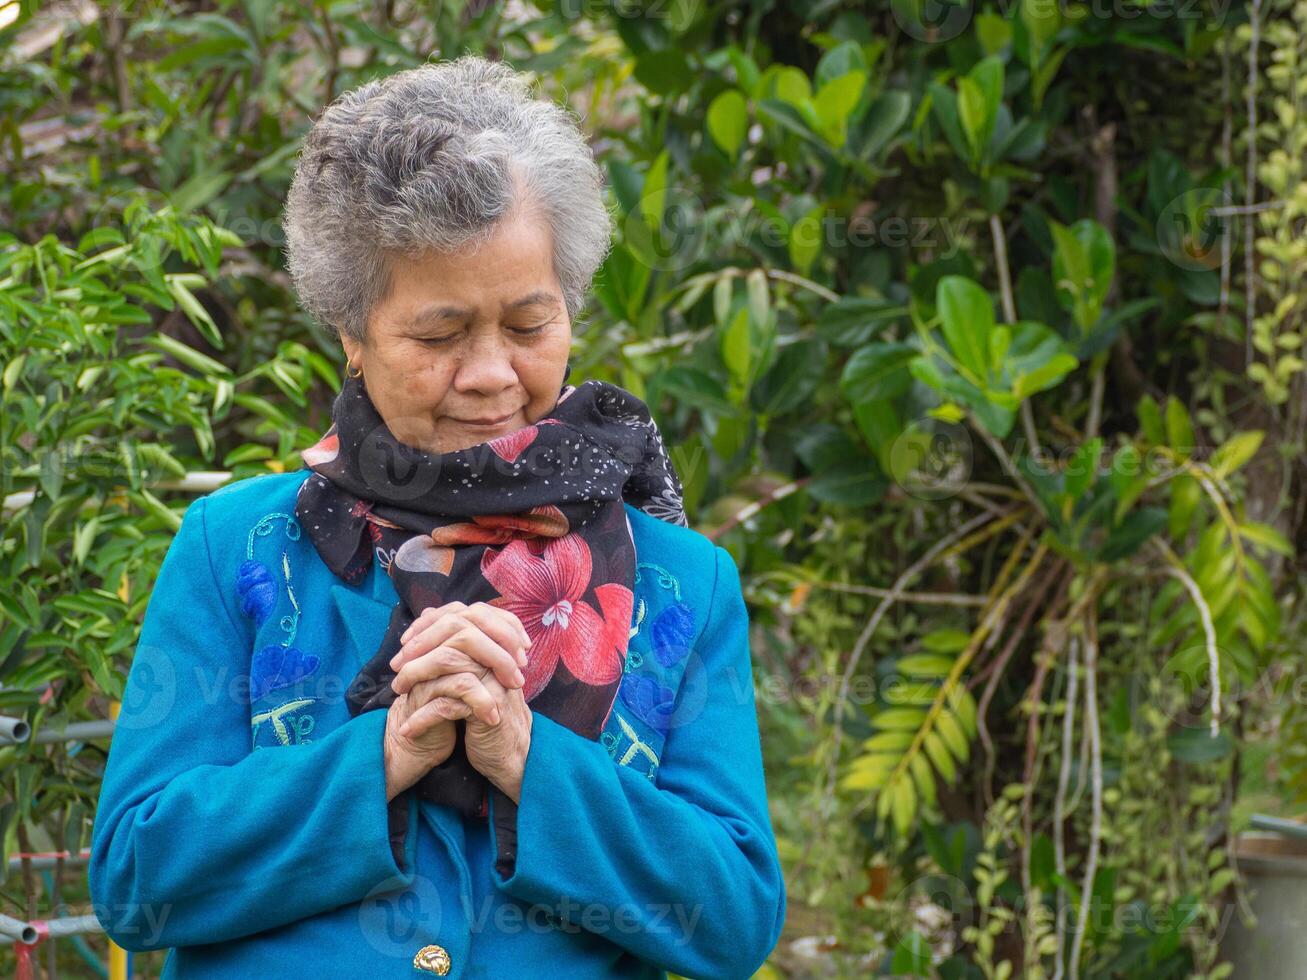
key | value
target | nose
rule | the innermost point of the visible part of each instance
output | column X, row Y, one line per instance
column 487, row 365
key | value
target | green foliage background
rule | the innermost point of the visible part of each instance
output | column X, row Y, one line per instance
column 976, row 329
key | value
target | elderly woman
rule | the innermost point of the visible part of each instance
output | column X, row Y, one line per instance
column 464, row 695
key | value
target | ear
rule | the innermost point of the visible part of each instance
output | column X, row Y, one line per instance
column 353, row 349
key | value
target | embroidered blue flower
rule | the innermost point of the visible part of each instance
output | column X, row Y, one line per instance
column 672, row 631
column 257, row 590
column 275, row 667
column 648, row 700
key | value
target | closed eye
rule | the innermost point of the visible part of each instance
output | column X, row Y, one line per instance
column 520, row 331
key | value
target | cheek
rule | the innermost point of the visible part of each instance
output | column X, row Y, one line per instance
column 418, row 379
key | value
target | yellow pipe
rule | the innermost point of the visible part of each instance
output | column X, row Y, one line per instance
column 117, row 962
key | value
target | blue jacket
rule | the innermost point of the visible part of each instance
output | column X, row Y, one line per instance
column 242, row 823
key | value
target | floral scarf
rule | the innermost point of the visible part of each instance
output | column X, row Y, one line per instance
column 531, row 521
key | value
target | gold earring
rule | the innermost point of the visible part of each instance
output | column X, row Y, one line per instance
column 352, row 372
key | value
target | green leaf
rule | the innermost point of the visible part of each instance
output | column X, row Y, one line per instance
column 891, row 741
column 153, row 505
column 912, row 956
column 1083, row 468
column 882, row 121
column 194, row 310
column 1266, row 536
column 1131, row 534
column 854, row 482
column 946, row 641
column 900, row 719
column 735, row 347
column 189, row 356
column 653, row 195
column 953, row 736
column 1150, row 420
column 1128, row 479
column 1179, row 430
column 1235, row 452
column 967, row 320
column 939, row 755
column 925, row 665
column 853, row 320
column 944, row 107
column 836, row 99
column 903, row 804
column 980, row 93
column 1042, row 21
column 728, row 121
column 876, row 372
column 806, row 239
column 1186, row 492
column 1084, row 262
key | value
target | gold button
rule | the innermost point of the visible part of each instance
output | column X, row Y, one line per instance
column 433, row 959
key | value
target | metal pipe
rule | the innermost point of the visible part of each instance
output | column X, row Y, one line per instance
column 14, row 730
column 1290, row 828
column 17, row 930
column 72, row 925
column 76, row 732
column 44, row 861
column 200, row 481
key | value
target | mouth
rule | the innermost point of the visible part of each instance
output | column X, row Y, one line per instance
column 488, row 423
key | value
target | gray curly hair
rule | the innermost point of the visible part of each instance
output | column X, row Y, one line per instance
column 431, row 159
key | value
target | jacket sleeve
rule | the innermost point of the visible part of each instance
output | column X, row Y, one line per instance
column 197, row 837
column 682, row 872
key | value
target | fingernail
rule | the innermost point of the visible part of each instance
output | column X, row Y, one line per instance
column 521, row 658
column 403, row 729
column 494, row 717
column 394, row 660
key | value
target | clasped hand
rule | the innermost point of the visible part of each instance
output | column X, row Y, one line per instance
column 460, row 661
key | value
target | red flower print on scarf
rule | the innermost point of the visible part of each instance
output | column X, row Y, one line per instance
column 542, row 585
column 323, row 451
column 546, row 521
column 510, row 445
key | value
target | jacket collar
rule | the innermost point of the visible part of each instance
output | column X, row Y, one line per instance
column 365, row 610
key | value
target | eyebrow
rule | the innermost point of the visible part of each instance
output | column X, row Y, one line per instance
column 441, row 314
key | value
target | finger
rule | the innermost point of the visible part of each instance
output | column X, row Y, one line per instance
column 433, row 713
column 488, row 613
column 500, row 695
column 427, row 638
column 468, row 688
column 468, row 650
column 428, row 616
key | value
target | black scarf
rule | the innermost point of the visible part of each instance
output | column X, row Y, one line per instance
column 531, row 521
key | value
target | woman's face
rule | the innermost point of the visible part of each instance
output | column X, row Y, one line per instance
column 466, row 337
